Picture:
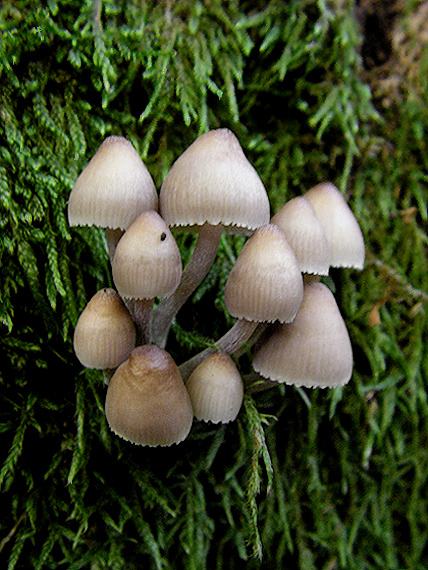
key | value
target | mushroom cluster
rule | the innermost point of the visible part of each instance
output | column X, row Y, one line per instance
column 286, row 316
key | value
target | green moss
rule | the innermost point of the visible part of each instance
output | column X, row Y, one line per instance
column 303, row 479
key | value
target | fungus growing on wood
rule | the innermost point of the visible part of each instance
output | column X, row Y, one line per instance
column 147, row 402
column 314, row 350
column 211, row 186
column 216, row 389
column 105, row 333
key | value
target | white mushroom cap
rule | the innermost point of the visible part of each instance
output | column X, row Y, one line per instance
column 113, row 189
column 147, row 262
column 265, row 283
column 304, row 232
column 147, row 402
column 343, row 232
column 213, row 182
column 314, row 350
column 105, row 333
column 216, row 389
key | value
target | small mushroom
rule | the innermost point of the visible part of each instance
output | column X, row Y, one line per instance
column 304, row 232
column 343, row 232
column 112, row 190
column 314, row 350
column 146, row 265
column 105, row 333
column 211, row 186
column 147, row 402
column 216, row 389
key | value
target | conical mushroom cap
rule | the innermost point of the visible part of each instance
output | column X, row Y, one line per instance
column 105, row 333
column 113, row 189
column 147, row 262
column 213, row 182
column 343, row 232
column 314, row 350
column 147, row 402
column 265, row 284
column 216, row 389
column 299, row 222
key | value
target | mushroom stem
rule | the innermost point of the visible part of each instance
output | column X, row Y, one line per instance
column 113, row 236
column 196, row 269
column 228, row 343
column 142, row 314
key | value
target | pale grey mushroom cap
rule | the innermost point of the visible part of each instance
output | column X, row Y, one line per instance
column 304, row 232
column 105, row 333
column 314, row 350
column 113, row 189
column 147, row 262
column 213, row 182
column 147, row 402
column 341, row 227
column 265, row 283
column 216, row 389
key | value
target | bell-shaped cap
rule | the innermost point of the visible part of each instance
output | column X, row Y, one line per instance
column 105, row 333
column 213, row 182
column 304, row 232
column 113, row 189
column 343, row 232
column 147, row 262
column 265, row 283
column 216, row 389
column 314, row 350
column 147, row 402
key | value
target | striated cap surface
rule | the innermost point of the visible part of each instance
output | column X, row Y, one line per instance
column 213, row 182
column 113, row 189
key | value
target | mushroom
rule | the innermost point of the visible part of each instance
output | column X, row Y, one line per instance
column 105, row 333
column 112, row 190
column 314, row 350
column 146, row 264
column 264, row 285
column 212, row 185
column 343, row 232
column 147, row 402
column 216, row 389
column 304, row 232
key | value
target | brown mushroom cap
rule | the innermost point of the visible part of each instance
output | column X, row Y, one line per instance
column 265, row 283
column 314, row 350
column 146, row 401
column 299, row 222
column 105, row 333
column 147, row 262
column 113, row 189
column 213, row 182
column 343, row 232
column 216, row 389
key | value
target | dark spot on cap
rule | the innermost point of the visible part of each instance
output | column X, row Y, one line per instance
column 163, row 236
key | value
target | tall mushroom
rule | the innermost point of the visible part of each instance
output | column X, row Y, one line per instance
column 212, row 185
column 112, row 190
column 264, row 285
column 147, row 402
column 146, row 265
